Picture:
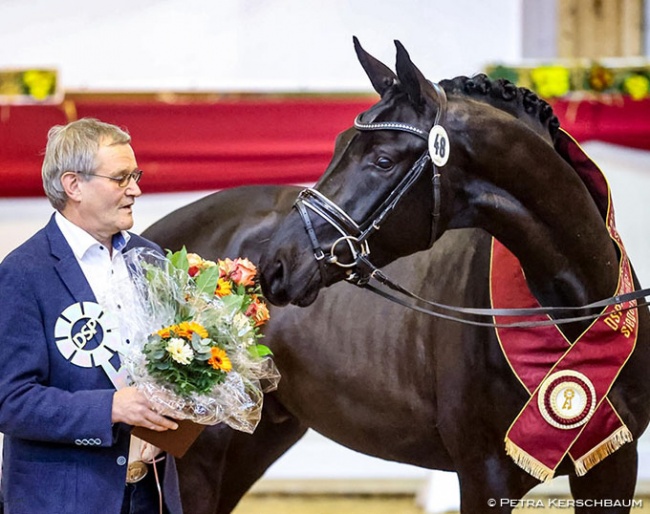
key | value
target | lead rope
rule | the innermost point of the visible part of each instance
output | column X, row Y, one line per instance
column 158, row 486
column 153, row 461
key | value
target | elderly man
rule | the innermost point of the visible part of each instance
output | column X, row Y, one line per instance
column 65, row 409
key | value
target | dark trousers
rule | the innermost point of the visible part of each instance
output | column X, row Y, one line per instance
column 142, row 497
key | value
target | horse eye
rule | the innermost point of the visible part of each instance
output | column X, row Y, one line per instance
column 384, row 163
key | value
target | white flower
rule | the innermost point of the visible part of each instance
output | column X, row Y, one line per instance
column 179, row 350
column 243, row 330
column 242, row 324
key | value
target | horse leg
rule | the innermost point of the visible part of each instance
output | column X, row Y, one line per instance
column 492, row 485
column 223, row 463
column 249, row 455
column 201, row 469
column 609, row 486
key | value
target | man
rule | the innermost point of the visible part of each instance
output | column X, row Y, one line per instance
column 65, row 409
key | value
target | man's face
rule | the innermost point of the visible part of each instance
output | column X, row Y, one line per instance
column 105, row 207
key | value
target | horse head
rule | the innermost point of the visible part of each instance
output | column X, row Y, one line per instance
column 467, row 152
column 365, row 168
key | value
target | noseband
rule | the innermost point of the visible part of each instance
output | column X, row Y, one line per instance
column 354, row 235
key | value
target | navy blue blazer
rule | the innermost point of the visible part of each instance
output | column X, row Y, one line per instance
column 61, row 452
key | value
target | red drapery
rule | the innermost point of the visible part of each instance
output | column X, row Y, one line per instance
column 208, row 145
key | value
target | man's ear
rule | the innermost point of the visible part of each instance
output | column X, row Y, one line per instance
column 70, row 182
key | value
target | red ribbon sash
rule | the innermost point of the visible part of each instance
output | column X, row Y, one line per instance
column 562, row 377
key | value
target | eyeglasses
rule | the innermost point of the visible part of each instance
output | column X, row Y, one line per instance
column 122, row 181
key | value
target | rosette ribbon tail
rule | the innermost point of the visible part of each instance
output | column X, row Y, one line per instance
column 528, row 463
column 607, row 447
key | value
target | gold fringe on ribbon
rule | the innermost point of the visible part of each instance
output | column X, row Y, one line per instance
column 607, row 447
column 528, row 463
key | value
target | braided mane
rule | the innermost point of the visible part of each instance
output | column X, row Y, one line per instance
column 520, row 102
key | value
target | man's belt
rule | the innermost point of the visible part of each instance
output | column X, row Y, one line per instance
column 136, row 471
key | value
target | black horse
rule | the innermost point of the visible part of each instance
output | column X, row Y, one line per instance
column 386, row 380
column 503, row 166
column 356, row 368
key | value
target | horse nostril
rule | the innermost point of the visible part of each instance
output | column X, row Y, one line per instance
column 272, row 282
column 277, row 274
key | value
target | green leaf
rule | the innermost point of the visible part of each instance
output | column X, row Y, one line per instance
column 179, row 259
column 260, row 350
column 203, row 356
column 198, row 344
column 154, row 339
column 207, row 280
column 233, row 301
column 157, row 353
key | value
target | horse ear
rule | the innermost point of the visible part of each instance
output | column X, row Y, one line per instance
column 379, row 74
column 415, row 83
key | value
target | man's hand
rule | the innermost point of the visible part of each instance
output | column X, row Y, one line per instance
column 130, row 406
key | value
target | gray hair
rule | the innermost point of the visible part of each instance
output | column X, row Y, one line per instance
column 73, row 147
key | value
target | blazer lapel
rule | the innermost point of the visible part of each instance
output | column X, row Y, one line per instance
column 67, row 266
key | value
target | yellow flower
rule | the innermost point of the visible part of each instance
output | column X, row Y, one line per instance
column 224, row 288
column 220, row 359
column 637, row 86
column 165, row 332
column 550, row 81
column 600, row 78
column 187, row 328
column 39, row 83
column 179, row 350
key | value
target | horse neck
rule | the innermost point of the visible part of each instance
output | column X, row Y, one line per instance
column 533, row 202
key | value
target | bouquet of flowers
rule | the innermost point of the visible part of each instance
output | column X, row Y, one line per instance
column 195, row 338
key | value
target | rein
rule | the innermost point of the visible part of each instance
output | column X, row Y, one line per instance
column 361, row 271
column 535, row 311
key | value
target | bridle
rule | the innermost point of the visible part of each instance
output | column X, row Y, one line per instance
column 361, row 271
column 356, row 236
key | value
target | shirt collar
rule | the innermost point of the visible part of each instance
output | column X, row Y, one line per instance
column 81, row 241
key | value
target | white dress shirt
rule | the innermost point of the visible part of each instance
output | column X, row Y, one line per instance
column 102, row 270
column 111, row 284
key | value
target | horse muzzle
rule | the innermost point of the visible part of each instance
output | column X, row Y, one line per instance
column 287, row 272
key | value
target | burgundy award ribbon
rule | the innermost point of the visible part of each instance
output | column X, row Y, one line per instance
column 568, row 411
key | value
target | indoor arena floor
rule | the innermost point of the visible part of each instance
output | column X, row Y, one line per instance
column 327, row 504
column 380, row 504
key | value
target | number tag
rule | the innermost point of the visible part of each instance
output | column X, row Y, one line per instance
column 439, row 145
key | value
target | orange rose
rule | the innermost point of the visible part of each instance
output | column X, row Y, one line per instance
column 194, row 260
column 258, row 311
column 240, row 271
column 226, row 267
column 244, row 272
column 205, row 264
column 198, row 264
